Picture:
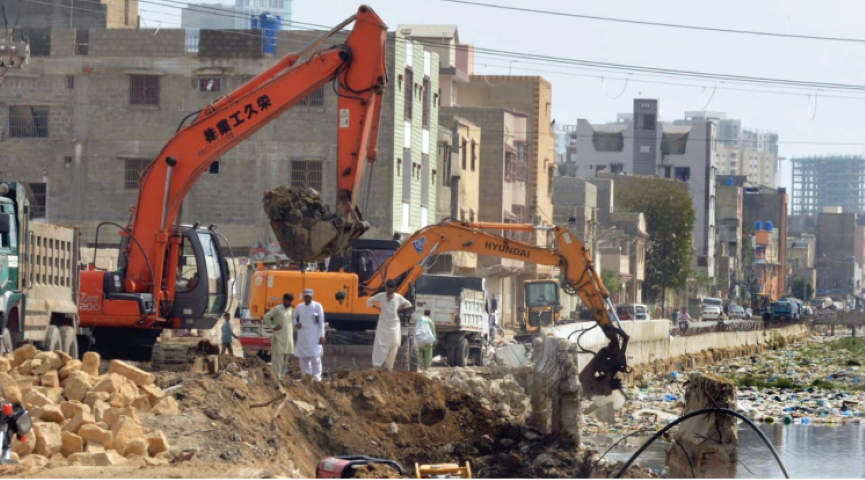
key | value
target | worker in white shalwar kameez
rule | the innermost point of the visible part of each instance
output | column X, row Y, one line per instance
column 309, row 323
column 280, row 319
column 388, row 336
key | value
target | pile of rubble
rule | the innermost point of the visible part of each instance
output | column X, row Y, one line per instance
column 82, row 418
column 503, row 393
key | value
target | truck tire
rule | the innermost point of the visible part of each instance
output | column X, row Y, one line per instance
column 461, row 353
column 69, row 341
column 6, row 343
column 52, row 339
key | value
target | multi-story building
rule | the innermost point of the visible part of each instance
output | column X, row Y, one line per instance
column 566, row 149
column 35, row 19
column 643, row 145
column 828, row 181
column 728, row 214
column 456, row 60
column 83, row 125
column 801, row 255
column 195, row 17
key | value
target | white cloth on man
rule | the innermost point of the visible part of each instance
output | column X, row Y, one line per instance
column 282, row 340
column 388, row 335
column 308, row 349
column 310, row 366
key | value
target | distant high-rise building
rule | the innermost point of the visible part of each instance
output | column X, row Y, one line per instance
column 246, row 9
column 828, row 181
column 197, row 16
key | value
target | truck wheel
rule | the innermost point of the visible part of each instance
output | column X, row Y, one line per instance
column 69, row 341
column 6, row 344
column 52, row 339
column 461, row 353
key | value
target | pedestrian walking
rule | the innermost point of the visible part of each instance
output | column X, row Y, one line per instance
column 279, row 319
column 228, row 336
column 309, row 323
column 387, row 333
column 425, row 338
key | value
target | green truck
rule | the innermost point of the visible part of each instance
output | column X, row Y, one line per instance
column 39, row 268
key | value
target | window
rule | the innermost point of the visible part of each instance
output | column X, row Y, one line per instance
column 408, row 91
column 306, row 174
column 28, row 122
column 426, row 102
column 134, row 168
column 550, row 174
column 214, row 168
column 37, row 199
column 521, row 152
column 445, row 156
column 82, row 42
column 474, row 155
column 463, row 214
column 408, row 177
column 209, row 84
column 645, row 149
column 510, row 166
column 144, row 89
column 314, row 99
column 617, row 168
column 464, row 154
column 648, row 122
column 70, row 82
column 683, row 174
column 472, row 215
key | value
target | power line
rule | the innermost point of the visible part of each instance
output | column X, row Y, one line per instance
column 658, row 24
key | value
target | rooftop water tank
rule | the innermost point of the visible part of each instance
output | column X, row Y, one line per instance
column 769, row 226
column 758, row 226
column 269, row 24
column 730, row 182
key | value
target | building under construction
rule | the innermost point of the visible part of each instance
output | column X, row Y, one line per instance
column 828, row 181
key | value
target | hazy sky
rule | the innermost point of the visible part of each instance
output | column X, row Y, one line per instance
column 835, row 120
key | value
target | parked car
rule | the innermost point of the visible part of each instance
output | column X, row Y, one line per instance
column 710, row 312
column 735, row 311
column 633, row 311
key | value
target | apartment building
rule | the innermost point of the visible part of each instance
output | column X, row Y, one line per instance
column 827, row 181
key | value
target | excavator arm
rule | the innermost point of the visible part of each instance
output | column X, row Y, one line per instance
column 357, row 67
column 569, row 255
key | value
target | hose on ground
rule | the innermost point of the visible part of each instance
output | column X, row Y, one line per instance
column 704, row 411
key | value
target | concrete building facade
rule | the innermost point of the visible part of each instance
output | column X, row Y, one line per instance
column 36, row 19
column 729, row 208
column 827, row 181
column 840, row 254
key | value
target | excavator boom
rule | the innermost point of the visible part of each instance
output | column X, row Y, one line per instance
column 569, row 255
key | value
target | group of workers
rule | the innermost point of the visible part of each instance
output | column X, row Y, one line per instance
column 308, row 319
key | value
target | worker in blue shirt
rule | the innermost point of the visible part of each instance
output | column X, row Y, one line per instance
column 228, row 336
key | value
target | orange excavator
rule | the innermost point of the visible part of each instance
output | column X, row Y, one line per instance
column 343, row 295
column 174, row 276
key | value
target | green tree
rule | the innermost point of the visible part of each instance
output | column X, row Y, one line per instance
column 666, row 204
column 611, row 280
column 803, row 289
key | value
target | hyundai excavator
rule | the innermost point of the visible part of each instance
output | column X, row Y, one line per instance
column 344, row 294
column 173, row 276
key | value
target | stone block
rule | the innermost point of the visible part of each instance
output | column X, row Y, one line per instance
column 52, row 413
column 78, row 421
column 92, row 397
column 77, row 386
column 39, row 367
column 112, row 415
column 124, row 431
column 157, row 443
column 48, row 441
column 94, row 447
column 50, row 379
column 10, row 388
column 141, row 403
column 92, row 433
column 54, row 360
column 24, row 353
column 138, row 376
column 71, row 443
column 73, row 365
column 34, row 399
column 70, row 409
column 154, row 393
column 55, row 394
column 90, row 363
column 136, row 447
column 168, row 406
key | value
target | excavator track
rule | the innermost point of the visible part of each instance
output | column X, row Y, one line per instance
column 172, row 357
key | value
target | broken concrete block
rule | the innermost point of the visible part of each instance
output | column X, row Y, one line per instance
column 71, row 443
column 50, row 379
column 48, row 440
column 141, row 403
column 77, row 385
column 124, row 431
column 34, row 399
column 78, row 421
column 73, row 365
column 70, row 409
column 137, row 375
column 90, row 363
column 154, row 393
column 92, row 433
column 10, row 388
column 52, row 413
column 26, row 448
column 34, row 460
column 24, row 353
column 53, row 358
column 136, row 447
column 168, row 406
column 157, row 443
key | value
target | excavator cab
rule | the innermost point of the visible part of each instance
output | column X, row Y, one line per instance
column 542, row 306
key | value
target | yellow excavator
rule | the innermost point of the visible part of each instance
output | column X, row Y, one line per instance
column 343, row 294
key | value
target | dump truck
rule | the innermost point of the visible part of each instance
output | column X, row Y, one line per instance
column 39, row 268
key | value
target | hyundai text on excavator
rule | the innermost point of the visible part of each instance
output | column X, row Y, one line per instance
column 343, row 294
column 174, row 276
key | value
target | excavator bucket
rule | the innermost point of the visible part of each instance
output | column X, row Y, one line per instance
column 307, row 229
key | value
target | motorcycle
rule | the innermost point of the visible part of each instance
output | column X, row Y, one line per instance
column 14, row 420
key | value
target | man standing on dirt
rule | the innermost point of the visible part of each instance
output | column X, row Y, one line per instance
column 388, row 336
column 228, row 336
column 279, row 318
column 309, row 322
